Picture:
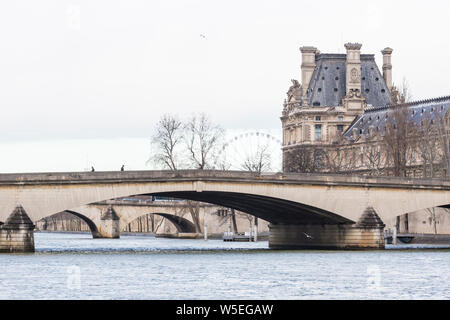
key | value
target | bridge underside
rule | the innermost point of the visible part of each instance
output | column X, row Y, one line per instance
column 296, row 225
column 89, row 222
column 275, row 211
column 183, row 225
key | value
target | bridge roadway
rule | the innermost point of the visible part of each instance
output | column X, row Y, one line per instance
column 305, row 210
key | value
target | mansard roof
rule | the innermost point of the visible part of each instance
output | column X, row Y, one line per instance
column 328, row 83
column 377, row 117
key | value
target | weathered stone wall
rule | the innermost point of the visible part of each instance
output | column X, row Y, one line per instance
column 16, row 240
column 325, row 237
column 16, row 234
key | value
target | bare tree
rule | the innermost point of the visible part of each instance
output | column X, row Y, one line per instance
column 168, row 137
column 401, row 94
column 428, row 146
column 299, row 159
column 227, row 215
column 443, row 129
column 202, row 139
column 399, row 139
column 260, row 161
column 196, row 141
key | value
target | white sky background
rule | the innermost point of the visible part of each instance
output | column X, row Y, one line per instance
column 83, row 82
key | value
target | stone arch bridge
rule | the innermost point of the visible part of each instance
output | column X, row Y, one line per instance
column 127, row 211
column 305, row 211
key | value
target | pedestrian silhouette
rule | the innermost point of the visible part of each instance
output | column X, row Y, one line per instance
column 122, row 168
column 92, row 169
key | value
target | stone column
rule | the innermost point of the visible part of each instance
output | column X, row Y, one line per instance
column 366, row 234
column 109, row 224
column 308, row 66
column 353, row 100
column 387, row 67
column 353, row 67
column 17, row 233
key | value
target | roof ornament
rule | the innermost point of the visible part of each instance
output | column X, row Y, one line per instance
column 354, row 93
column 294, row 92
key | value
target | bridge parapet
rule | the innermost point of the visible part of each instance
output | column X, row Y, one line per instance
column 216, row 175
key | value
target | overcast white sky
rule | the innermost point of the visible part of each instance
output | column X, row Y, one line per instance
column 83, row 82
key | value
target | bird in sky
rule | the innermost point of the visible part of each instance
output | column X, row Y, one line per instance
column 308, row 236
column 202, row 36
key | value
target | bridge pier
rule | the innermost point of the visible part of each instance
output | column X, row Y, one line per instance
column 17, row 234
column 367, row 233
column 109, row 225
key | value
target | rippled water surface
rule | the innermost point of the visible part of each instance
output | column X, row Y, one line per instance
column 75, row 266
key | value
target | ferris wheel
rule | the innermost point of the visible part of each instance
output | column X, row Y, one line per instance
column 247, row 147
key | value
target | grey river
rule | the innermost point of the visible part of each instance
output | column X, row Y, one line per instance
column 75, row 266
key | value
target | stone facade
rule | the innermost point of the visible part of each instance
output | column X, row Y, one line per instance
column 340, row 119
column 109, row 224
column 336, row 88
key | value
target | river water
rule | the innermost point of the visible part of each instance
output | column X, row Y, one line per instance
column 75, row 266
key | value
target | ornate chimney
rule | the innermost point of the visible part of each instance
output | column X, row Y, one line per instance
column 387, row 67
column 353, row 100
column 353, row 64
column 308, row 66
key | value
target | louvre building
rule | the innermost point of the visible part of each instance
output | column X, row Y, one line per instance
column 347, row 117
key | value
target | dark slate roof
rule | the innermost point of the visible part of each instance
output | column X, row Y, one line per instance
column 431, row 109
column 327, row 85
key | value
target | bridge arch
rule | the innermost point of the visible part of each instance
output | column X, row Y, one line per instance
column 182, row 225
column 92, row 226
column 273, row 210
